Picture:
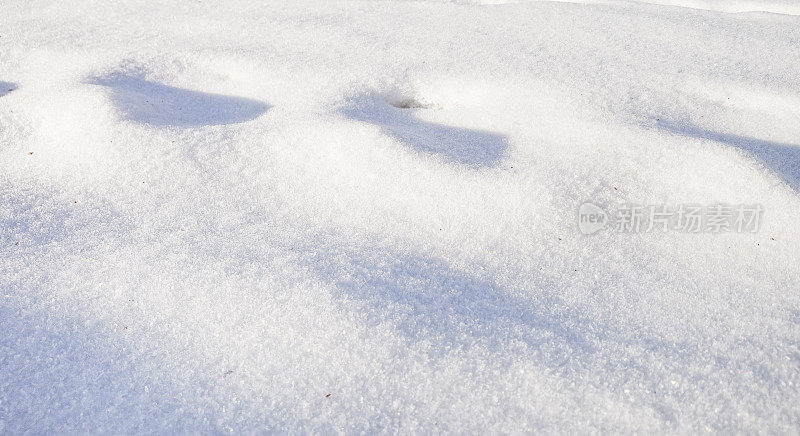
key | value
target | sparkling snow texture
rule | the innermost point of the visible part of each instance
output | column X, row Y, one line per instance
column 361, row 216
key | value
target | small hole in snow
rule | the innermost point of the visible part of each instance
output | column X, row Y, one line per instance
column 6, row 87
column 408, row 103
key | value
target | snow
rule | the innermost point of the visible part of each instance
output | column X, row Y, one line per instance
column 789, row 7
column 361, row 216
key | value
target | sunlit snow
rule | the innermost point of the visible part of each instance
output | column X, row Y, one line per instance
column 362, row 216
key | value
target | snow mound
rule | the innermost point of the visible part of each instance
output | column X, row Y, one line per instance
column 363, row 217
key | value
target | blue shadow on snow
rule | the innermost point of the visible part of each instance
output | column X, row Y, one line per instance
column 152, row 103
column 782, row 158
column 476, row 148
column 6, row 87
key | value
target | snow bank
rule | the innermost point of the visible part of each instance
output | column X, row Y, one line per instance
column 358, row 217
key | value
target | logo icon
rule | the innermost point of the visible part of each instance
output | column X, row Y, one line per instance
column 591, row 218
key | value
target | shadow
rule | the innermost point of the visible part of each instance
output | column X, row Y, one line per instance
column 55, row 369
column 6, row 87
column 427, row 299
column 433, row 304
column 60, row 372
column 155, row 104
column 470, row 147
column 782, row 158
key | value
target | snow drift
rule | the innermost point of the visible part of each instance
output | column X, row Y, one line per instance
column 361, row 216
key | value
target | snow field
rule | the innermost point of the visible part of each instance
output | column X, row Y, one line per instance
column 214, row 215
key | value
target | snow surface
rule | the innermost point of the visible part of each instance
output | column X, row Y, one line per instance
column 360, row 216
